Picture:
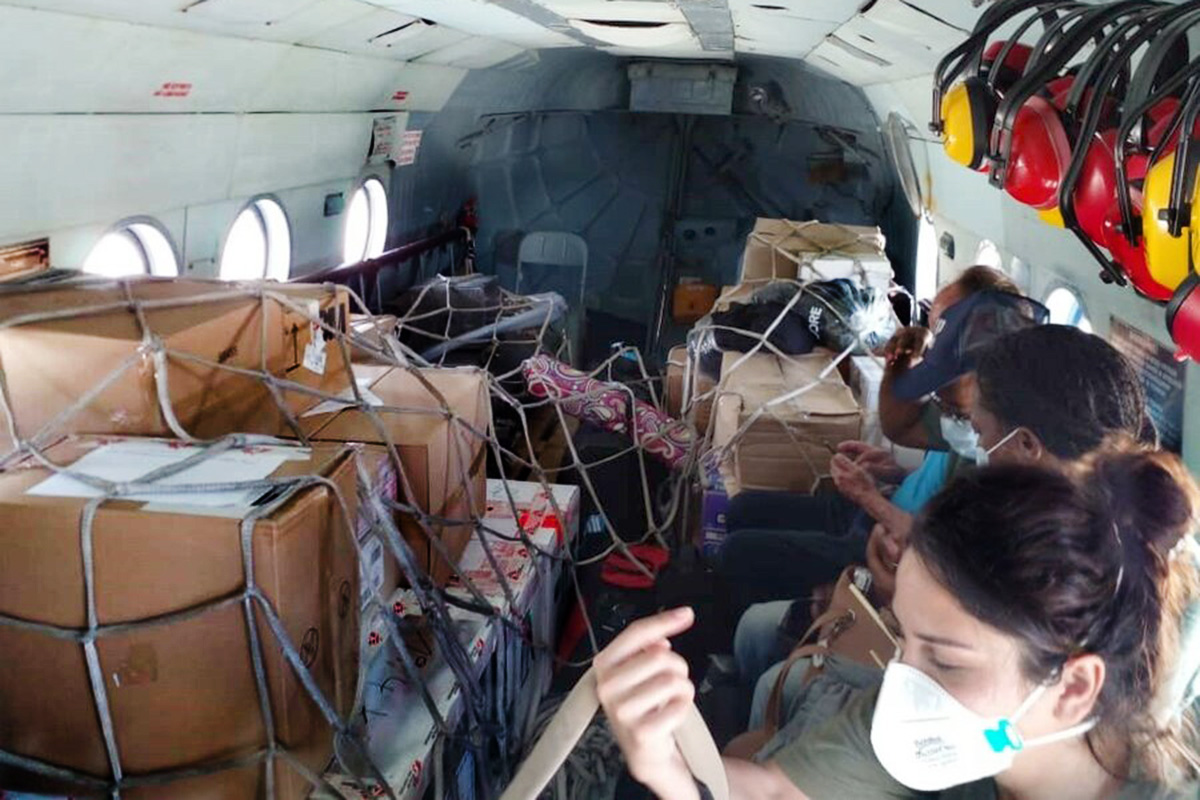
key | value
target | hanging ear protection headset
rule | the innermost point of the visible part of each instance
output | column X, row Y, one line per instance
column 1150, row 128
column 1065, row 137
column 963, row 111
column 1171, row 215
column 1030, row 146
column 1090, row 184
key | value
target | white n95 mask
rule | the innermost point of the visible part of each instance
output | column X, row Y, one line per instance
column 929, row 741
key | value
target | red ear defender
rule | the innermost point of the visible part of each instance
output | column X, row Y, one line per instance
column 1014, row 63
column 1183, row 318
column 1040, row 154
column 1097, row 186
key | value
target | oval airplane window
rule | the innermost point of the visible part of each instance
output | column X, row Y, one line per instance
column 259, row 244
column 1066, row 308
column 927, row 259
column 988, row 255
column 366, row 223
column 133, row 248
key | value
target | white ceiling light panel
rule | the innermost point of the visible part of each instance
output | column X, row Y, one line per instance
column 634, row 10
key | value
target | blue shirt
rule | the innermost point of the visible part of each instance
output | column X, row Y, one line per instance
column 926, row 481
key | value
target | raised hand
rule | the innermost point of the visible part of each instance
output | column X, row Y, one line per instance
column 644, row 689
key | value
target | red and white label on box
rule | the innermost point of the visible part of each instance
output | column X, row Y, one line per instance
column 533, row 506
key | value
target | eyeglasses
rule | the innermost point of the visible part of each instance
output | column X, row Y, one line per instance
column 947, row 410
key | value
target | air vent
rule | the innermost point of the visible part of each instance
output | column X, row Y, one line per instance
column 402, row 33
column 625, row 23
column 640, row 34
column 673, row 88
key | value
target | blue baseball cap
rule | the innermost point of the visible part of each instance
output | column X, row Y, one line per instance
column 965, row 328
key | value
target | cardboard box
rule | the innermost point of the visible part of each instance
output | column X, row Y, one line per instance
column 379, row 571
column 50, row 365
column 811, row 251
column 700, row 396
column 673, row 381
column 445, row 463
column 866, row 379
column 533, row 506
column 789, row 447
column 181, row 692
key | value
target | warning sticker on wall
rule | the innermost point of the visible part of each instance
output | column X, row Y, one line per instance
column 1163, row 380
column 409, row 145
column 385, row 139
column 174, row 89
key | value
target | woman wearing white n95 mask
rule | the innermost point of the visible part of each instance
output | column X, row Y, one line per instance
column 1040, row 614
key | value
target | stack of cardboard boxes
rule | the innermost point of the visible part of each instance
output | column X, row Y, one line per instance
column 775, row 422
column 90, row 373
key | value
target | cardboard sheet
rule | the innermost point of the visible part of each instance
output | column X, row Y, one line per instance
column 126, row 462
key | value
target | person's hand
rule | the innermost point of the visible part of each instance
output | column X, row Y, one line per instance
column 644, row 690
column 880, row 463
column 883, row 557
column 906, row 346
column 854, row 482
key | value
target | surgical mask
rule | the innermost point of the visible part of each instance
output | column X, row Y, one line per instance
column 961, row 435
column 983, row 455
column 929, row 741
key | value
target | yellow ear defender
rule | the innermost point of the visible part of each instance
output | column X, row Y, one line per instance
column 1052, row 216
column 967, row 112
column 1169, row 257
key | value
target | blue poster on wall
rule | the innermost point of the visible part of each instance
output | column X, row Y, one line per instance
column 1162, row 380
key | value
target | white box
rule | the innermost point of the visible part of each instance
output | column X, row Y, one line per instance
column 401, row 730
column 533, row 506
column 872, row 272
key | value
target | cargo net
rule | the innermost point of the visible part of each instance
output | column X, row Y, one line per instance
column 536, row 387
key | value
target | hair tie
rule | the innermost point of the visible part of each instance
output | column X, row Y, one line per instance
column 1089, row 639
column 1120, row 549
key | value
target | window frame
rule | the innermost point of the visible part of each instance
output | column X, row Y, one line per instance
column 264, row 225
column 383, row 200
column 127, row 228
column 923, row 283
column 990, row 247
column 1082, row 309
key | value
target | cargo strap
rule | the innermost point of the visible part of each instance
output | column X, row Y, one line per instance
column 568, row 725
